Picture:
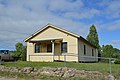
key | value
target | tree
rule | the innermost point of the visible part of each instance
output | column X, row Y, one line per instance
column 23, row 56
column 110, row 52
column 107, row 51
column 92, row 37
column 116, row 53
column 20, row 52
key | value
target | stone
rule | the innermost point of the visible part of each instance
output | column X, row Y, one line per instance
column 54, row 69
column 59, row 69
column 64, row 69
column 35, row 70
column 27, row 69
column 68, row 74
column 14, row 70
column 60, row 72
column 111, row 77
column 45, row 72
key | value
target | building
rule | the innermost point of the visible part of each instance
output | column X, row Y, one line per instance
column 52, row 43
column 4, row 51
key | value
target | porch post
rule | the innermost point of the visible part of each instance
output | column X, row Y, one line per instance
column 33, row 51
column 53, row 46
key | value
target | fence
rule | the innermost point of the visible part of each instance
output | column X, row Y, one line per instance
column 0, row 60
column 109, row 60
column 85, row 57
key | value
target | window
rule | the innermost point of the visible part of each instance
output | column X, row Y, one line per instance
column 49, row 47
column 37, row 48
column 64, row 47
column 84, row 50
column 92, row 52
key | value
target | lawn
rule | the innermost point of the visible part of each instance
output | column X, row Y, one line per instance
column 102, row 67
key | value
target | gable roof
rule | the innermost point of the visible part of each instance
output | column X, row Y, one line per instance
column 52, row 26
column 57, row 28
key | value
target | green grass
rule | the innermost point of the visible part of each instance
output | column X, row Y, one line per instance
column 101, row 67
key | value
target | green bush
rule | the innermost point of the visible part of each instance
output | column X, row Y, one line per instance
column 117, row 61
column 16, row 56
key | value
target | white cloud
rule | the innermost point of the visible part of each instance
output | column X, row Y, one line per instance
column 72, row 10
column 114, row 8
column 115, row 41
column 111, row 8
column 29, row 16
column 90, row 13
column 115, row 25
column 65, row 5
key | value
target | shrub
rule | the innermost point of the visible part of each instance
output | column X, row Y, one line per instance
column 117, row 61
column 16, row 56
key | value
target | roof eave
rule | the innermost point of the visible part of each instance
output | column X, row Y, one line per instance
column 87, row 42
column 49, row 25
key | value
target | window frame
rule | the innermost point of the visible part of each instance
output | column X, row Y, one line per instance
column 64, row 47
column 49, row 46
column 92, row 52
column 37, row 48
column 84, row 49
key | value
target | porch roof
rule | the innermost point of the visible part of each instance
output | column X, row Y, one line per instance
column 45, row 40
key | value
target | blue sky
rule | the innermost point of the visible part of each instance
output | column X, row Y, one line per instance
column 20, row 18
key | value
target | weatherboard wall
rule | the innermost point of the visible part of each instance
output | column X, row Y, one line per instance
column 88, row 57
column 51, row 33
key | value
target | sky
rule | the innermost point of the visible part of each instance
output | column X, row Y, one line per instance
column 21, row 18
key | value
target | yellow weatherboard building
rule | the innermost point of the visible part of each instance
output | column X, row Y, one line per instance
column 52, row 44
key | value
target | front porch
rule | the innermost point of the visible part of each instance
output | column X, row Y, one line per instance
column 50, row 50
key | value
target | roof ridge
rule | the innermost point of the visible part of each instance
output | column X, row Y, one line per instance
column 50, row 25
